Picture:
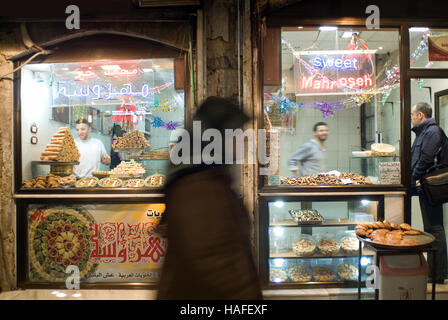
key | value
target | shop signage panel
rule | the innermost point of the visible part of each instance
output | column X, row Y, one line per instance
column 438, row 48
column 107, row 242
column 333, row 72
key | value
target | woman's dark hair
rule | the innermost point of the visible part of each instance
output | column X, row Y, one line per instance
column 318, row 125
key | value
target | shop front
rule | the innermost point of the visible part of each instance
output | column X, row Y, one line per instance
column 336, row 96
column 93, row 124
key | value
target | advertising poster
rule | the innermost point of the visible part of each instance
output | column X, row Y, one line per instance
column 438, row 48
column 107, row 242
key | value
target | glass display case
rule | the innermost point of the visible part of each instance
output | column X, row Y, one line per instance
column 311, row 240
column 96, row 125
column 335, row 116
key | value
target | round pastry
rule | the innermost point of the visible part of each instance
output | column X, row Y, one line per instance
column 405, row 227
column 361, row 226
column 110, row 183
column 88, row 182
column 361, row 232
column 277, row 275
column 375, row 226
column 369, row 232
column 299, row 274
column 350, row 245
column 387, row 224
column 394, row 226
column 323, row 274
column 381, row 225
column 328, row 247
column 347, row 272
column 412, row 232
column 304, row 248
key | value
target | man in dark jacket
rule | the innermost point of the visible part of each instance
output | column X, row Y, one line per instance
column 427, row 146
column 209, row 253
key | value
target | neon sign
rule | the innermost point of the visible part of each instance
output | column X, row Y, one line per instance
column 350, row 82
column 323, row 63
column 97, row 92
column 338, row 72
column 120, row 72
column 84, row 75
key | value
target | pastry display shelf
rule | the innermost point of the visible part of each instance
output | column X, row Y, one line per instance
column 327, row 223
column 372, row 157
column 292, row 255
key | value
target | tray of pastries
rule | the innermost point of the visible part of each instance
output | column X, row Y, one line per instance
column 41, row 182
column 133, row 141
column 322, row 274
column 305, row 247
column 328, row 246
column 155, row 181
column 128, row 169
column 134, row 183
column 110, row 183
column 349, row 245
column 299, row 274
column 326, row 179
column 88, row 182
column 347, row 271
column 100, row 174
column 277, row 275
column 306, row 216
column 389, row 235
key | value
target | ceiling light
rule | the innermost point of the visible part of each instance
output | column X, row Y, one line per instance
column 147, row 70
column 418, row 29
column 76, row 295
column 61, row 295
column 300, row 27
column 380, row 48
column 348, row 34
column 279, row 204
column 328, row 28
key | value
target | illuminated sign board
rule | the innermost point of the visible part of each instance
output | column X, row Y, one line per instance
column 333, row 72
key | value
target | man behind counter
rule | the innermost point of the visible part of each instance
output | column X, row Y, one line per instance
column 92, row 151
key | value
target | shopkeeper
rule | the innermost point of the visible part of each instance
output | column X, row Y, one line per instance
column 92, row 151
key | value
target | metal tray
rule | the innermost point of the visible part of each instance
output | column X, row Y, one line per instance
column 424, row 240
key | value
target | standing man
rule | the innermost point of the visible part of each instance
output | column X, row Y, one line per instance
column 311, row 154
column 428, row 143
column 92, row 151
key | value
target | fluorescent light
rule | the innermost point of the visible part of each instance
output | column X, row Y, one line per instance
column 328, row 28
column 348, row 34
column 300, row 27
column 279, row 204
column 278, row 231
column 365, row 261
column 365, row 202
column 111, row 67
column 147, row 70
column 279, row 262
column 380, row 48
column 61, row 295
column 76, row 295
column 418, row 29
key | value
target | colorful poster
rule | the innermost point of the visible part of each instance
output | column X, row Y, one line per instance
column 107, row 242
column 333, row 72
column 438, row 48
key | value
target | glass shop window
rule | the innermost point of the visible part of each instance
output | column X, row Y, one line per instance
column 98, row 124
column 334, row 115
column 428, row 48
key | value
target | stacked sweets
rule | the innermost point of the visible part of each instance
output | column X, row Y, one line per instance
column 62, row 147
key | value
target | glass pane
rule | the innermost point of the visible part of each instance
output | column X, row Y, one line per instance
column 104, row 119
column 349, row 80
column 300, row 251
column 428, row 48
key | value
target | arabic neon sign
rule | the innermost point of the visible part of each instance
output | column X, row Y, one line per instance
column 97, row 92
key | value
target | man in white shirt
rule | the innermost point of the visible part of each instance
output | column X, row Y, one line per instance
column 92, row 151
